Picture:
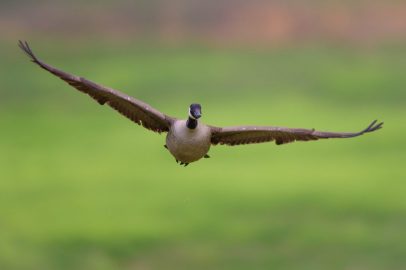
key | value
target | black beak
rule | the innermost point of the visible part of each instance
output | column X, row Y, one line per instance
column 196, row 112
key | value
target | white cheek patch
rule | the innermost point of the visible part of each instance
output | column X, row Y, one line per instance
column 191, row 116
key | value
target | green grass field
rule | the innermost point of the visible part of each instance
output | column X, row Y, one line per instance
column 84, row 188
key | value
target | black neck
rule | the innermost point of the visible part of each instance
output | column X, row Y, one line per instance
column 191, row 123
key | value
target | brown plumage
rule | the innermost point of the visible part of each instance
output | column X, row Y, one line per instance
column 190, row 140
column 136, row 110
column 281, row 135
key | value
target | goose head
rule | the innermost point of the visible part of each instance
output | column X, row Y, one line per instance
column 195, row 111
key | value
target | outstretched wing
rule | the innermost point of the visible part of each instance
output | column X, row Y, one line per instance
column 281, row 135
column 136, row 110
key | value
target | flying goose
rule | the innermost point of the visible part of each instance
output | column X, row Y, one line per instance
column 188, row 140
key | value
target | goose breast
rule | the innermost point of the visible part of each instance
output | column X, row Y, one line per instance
column 188, row 145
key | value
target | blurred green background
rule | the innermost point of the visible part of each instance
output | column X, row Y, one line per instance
column 81, row 187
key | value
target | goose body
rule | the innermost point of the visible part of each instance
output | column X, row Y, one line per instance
column 188, row 140
column 188, row 145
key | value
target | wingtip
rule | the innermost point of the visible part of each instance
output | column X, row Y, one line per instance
column 373, row 126
column 21, row 45
column 27, row 50
column 379, row 126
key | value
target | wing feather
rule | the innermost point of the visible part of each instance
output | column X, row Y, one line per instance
column 135, row 110
column 281, row 135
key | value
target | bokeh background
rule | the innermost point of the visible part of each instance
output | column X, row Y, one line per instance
column 83, row 188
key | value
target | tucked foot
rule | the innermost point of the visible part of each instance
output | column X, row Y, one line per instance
column 184, row 164
column 206, row 156
column 166, row 146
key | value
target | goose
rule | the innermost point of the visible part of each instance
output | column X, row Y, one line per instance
column 189, row 140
